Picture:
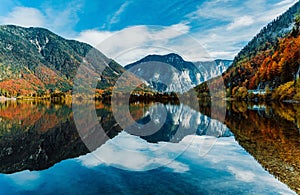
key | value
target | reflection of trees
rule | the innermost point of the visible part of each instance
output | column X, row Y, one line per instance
column 36, row 135
column 239, row 106
column 17, row 117
column 286, row 111
column 39, row 135
column 272, row 137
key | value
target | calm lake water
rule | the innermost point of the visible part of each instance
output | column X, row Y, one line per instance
column 254, row 150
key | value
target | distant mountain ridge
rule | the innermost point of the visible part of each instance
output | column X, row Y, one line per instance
column 173, row 74
column 35, row 61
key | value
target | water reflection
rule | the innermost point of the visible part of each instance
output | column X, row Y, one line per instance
column 38, row 135
column 181, row 121
column 270, row 133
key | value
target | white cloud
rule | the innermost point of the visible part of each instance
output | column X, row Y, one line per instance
column 240, row 22
column 221, row 41
column 170, row 32
column 286, row 2
column 93, row 37
column 24, row 16
column 132, row 43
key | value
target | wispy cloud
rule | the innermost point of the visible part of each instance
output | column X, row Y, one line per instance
column 116, row 17
column 285, row 2
column 240, row 22
column 229, row 25
column 63, row 20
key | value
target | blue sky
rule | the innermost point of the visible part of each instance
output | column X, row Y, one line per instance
column 218, row 28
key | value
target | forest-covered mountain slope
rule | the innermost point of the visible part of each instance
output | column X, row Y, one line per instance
column 268, row 62
column 35, row 62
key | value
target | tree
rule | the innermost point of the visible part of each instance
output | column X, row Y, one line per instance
column 240, row 92
column 297, row 19
column 286, row 73
column 275, row 68
column 295, row 31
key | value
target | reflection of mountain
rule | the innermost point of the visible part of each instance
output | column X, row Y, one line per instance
column 271, row 136
column 171, row 73
column 43, row 134
column 181, row 121
column 51, row 135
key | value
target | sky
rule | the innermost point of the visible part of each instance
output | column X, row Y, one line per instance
column 129, row 30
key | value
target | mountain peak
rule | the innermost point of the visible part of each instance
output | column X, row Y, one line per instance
column 19, row 29
column 168, row 58
column 173, row 55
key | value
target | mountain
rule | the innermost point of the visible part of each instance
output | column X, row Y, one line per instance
column 212, row 69
column 171, row 73
column 270, row 61
column 35, row 61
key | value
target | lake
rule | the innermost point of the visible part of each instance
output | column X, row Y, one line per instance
column 48, row 148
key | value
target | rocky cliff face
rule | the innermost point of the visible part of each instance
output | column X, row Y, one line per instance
column 170, row 73
column 212, row 69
